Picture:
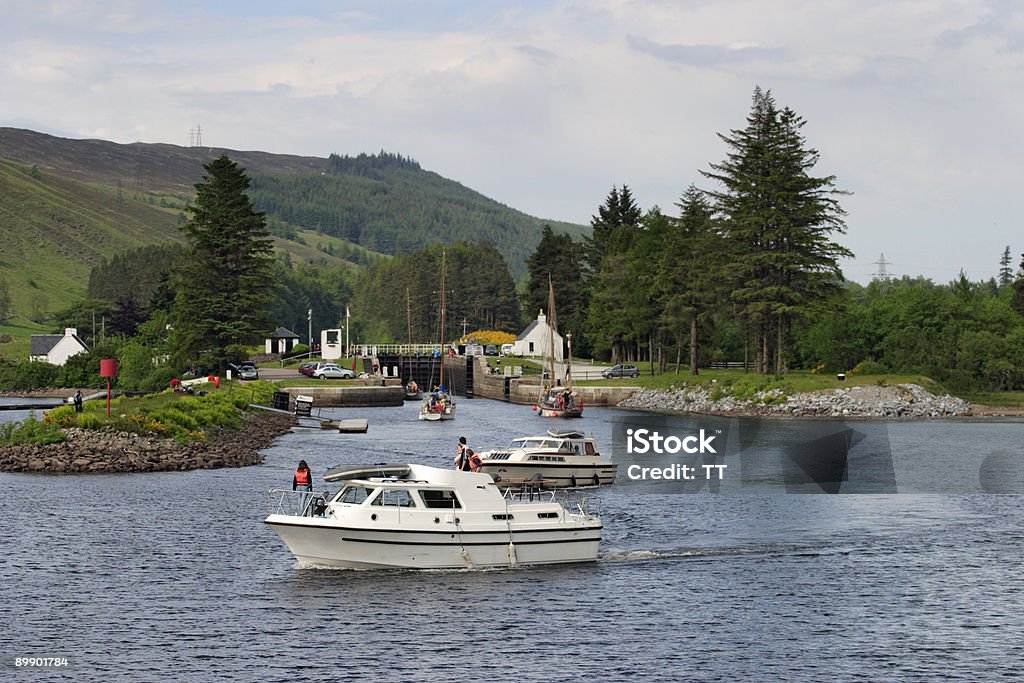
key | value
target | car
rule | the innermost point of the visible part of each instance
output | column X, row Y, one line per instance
column 490, row 350
column 248, row 370
column 307, row 368
column 621, row 370
column 508, row 349
column 332, row 371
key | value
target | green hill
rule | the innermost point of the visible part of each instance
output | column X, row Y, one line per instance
column 383, row 202
column 54, row 230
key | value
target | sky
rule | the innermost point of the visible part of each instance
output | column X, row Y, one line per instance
column 915, row 106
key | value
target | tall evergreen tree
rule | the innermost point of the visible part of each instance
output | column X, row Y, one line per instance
column 1005, row 268
column 778, row 220
column 223, row 279
column 618, row 210
column 690, row 275
column 559, row 257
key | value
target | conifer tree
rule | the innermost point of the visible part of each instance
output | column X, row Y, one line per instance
column 223, row 279
column 1005, row 268
column 777, row 220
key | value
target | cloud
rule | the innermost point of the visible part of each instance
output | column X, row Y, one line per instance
column 706, row 55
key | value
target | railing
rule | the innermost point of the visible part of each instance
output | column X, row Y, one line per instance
column 298, row 503
column 572, row 501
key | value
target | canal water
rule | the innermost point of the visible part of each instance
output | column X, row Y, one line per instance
column 913, row 571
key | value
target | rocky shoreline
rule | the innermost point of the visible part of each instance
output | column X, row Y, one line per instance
column 901, row 402
column 107, row 451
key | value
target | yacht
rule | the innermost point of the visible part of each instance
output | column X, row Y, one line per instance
column 556, row 460
column 420, row 517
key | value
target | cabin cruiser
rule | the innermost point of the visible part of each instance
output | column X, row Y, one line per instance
column 555, row 460
column 421, row 517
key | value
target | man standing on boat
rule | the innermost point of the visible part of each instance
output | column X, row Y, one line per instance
column 463, row 456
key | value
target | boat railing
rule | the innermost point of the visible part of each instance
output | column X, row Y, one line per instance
column 573, row 501
column 298, row 503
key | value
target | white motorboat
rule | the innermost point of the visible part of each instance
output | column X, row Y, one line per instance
column 420, row 517
column 555, row 460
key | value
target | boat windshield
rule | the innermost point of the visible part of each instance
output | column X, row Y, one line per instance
column 394, row 498
column 354, row 494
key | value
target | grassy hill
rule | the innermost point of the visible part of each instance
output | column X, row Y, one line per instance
column 382, row 202
column 54, row 230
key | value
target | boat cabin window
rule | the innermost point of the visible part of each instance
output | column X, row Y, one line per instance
column 440, row 499
column 551, row 443
column 394, row 498
column 518, row 443
column 589, row 445
column 353, row 494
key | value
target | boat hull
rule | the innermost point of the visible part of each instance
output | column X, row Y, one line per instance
column 544, row 411
column 550, row 475
column 318, row 542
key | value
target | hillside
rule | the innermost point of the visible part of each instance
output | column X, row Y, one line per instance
column 382, row 202
column 54, row 230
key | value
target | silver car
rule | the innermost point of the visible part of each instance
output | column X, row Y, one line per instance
column 332, row 371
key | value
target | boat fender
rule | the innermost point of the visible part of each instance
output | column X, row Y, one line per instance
column 597, row 480
column 512, row 559
column 572, row 481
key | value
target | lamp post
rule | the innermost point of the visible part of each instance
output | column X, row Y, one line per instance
column 309, row 321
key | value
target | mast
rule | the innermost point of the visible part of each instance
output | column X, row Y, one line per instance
column 442, row 355
column 408, row 316
column 568, row 371
column 551, row 326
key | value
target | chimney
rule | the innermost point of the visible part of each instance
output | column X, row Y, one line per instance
column 70, row 331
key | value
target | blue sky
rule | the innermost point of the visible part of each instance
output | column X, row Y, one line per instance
column 916, row 107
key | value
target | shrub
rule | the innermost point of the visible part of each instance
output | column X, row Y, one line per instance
column 31, row 432
column 869, row 367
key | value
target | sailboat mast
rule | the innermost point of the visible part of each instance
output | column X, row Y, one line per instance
column 551, row 326
column 442, row 317
column 408, row 316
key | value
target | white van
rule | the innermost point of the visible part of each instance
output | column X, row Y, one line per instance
column 507, row 349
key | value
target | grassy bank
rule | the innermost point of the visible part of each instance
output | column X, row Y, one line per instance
column 183, row 417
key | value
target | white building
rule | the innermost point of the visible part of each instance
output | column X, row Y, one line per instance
column 55, row 349
column 535, row 340
column 330, row 344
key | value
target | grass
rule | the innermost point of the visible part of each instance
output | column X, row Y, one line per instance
column 180, row 416
column 735, row 382
column 19, row 330
column 995, row 399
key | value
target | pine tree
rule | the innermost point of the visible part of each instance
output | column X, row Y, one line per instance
column 1005, row 268
column 559, row 257
column 690, row 272
column 778, row 220
column 223, row 279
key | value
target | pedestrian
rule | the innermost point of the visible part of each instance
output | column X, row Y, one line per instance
column 303, row 482
column 78, row 401
column 462, row 457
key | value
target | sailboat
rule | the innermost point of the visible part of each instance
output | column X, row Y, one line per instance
column 554, row 400
column 412, row 390
column 439, row 404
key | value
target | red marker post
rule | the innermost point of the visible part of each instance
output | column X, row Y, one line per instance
column 108, row 369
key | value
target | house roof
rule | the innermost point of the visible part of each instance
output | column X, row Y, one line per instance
column 42, row 344
column 529, row 328
column 282, row 333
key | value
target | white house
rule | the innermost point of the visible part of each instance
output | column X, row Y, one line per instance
column 535, row 340
column 330, row 344
column 55, row 349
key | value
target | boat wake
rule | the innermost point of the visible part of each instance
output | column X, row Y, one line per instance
column 623, row 555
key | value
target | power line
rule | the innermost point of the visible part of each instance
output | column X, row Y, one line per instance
column 882, row 274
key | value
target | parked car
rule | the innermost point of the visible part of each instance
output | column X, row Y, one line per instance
column 507, row 349
column 248, row 370
column 332, row 371
column 490, row 350
column 307, row 368
column 621, row 370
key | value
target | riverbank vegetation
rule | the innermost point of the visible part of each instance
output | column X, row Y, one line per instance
column 183, row 417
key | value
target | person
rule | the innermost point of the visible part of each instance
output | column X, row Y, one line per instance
column 463, row 456
column 302, row 482
column 78, row 401
column 475, row 461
